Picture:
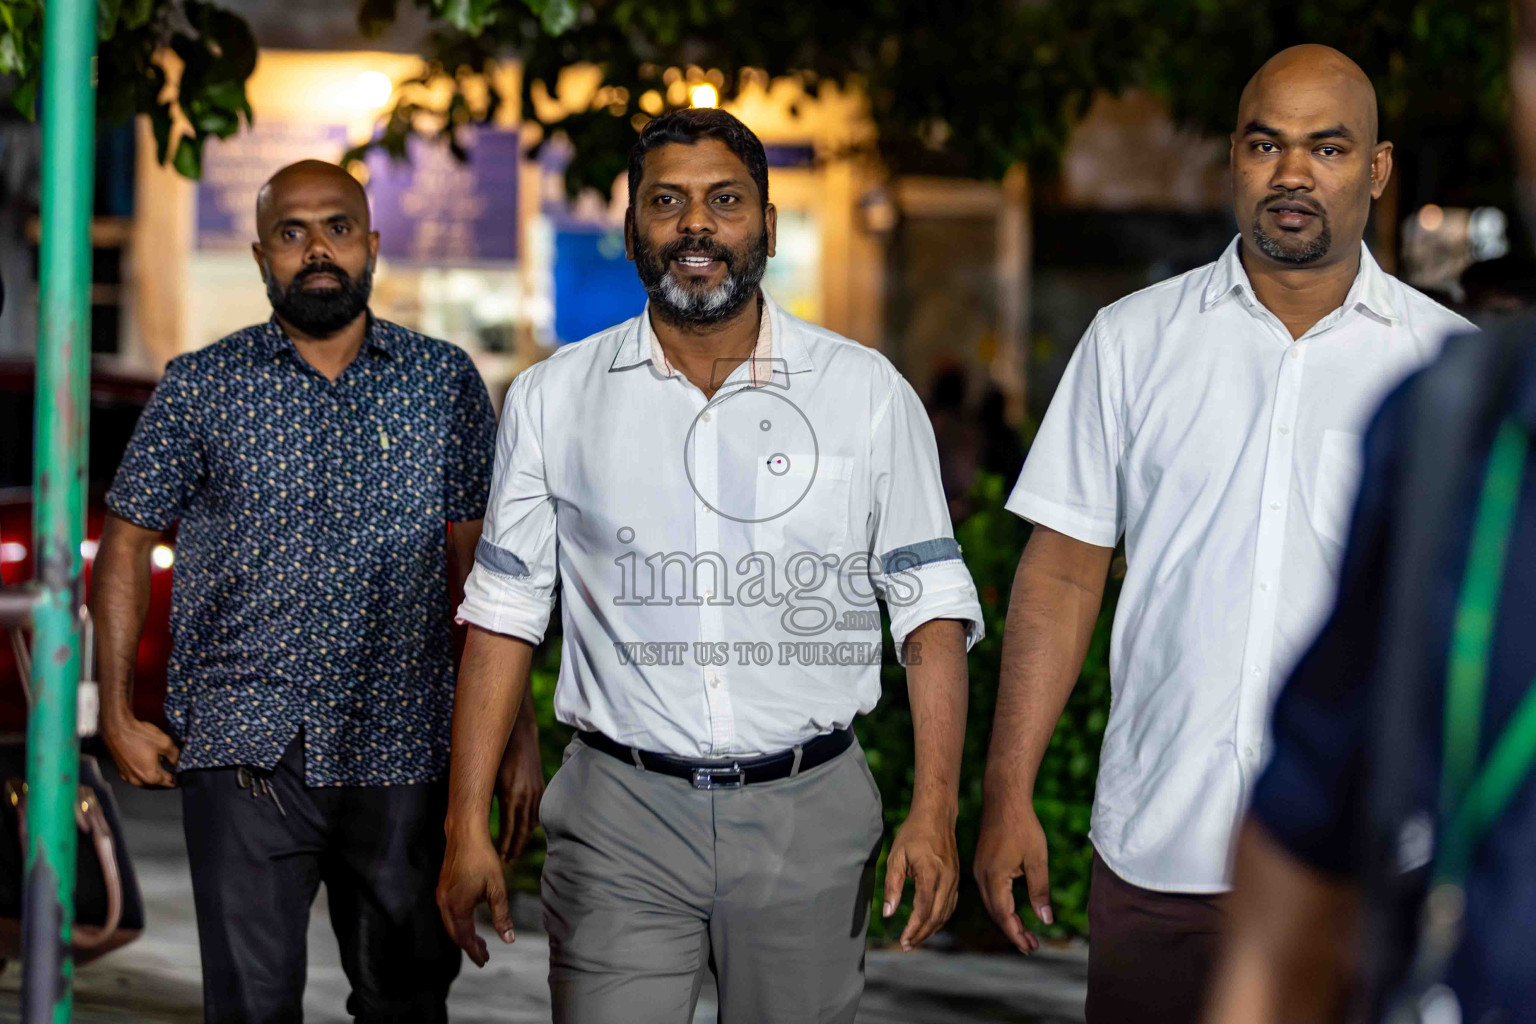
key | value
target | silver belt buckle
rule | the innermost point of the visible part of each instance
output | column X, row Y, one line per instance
column 719, row 778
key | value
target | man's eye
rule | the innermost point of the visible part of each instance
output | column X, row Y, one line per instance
column 1264, row 147
column 339, row 229
column 1328, row 150
column 727, row 200
column 665, row 200
column 289, row 234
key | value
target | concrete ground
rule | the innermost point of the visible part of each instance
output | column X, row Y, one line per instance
column 155, row 980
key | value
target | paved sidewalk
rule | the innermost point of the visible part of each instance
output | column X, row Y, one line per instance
column 156, row 981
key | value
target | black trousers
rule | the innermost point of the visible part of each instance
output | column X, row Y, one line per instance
column 1150, row 954
column 256, row 869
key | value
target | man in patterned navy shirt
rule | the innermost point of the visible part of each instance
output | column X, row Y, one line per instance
column 314, row 464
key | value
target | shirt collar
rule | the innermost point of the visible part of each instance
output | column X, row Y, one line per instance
column 272, row 340
column 780, row 349
column 1372, row 290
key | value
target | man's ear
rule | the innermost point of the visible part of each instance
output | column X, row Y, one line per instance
column 373, row 247
column 1381, row 168
column 771, row 226
column 629, row 234
column 260, row 258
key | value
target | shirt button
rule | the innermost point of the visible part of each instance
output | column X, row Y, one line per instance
column 1274, row 506
column 1257, row 671
column 1284, row 431
column 705, row 417
column 707, row 593
column 714, row 682
column 1248, row 753
column 1264, row 587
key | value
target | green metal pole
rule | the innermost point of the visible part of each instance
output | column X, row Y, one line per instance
column 63, row 373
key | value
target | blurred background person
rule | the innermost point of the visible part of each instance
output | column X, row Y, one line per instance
column 1386, row 870
column 1213, row 421
column 1499, row 289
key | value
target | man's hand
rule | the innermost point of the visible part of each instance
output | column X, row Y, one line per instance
column 472, row 874
column 519, row 788
column 137, row 747
column 924, row 850
column 1012, row 843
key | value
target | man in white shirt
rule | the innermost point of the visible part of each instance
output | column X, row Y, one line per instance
column 720, row 492
column 1214, row 422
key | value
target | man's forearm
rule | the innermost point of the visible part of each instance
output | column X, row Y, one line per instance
column 937, row 690
column 1057, row 593
column 493, row 681
column 1292, row 946
column 119, row 602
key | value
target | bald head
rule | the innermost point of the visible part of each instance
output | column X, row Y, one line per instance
column 307, row 182
column 314, row 247
column 1306, row 162
column 1313, row 77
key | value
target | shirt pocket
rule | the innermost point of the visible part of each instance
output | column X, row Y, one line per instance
column 801, row 504
column 1339, row 465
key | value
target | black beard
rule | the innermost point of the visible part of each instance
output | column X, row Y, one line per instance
column 687, row 306
column 1276, row 250
column 320, row 312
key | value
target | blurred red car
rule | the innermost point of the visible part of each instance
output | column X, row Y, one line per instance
column 116, row 402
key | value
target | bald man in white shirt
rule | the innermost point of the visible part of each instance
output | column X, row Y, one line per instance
column 1213, row 422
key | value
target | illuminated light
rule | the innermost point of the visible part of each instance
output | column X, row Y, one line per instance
column 163, row 557
column 1431, row 217
column 12, row 551
column 371, row 89
column 651, row 102
column 87, row 549
column 704, row 95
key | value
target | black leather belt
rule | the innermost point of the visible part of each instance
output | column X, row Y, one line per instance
column 721, row 774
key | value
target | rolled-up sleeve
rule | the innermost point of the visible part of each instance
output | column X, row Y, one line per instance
column 163, row 464
column 919, row 571
column 511, row 588
column 1071, row 482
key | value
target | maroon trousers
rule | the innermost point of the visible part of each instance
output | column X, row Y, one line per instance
column 1150, row 954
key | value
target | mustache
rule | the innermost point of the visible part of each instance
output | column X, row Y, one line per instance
column 343, row 279
column 1310, row 205
column 695, row 247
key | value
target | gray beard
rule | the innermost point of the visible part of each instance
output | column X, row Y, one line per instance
column 695, row 304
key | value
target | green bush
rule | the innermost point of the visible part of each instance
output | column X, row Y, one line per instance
column 991, row 539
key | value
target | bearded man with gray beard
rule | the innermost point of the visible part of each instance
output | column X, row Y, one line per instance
column 712, row 481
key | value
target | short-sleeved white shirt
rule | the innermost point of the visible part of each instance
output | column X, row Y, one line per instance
column 718, row 561
column 1227, row 455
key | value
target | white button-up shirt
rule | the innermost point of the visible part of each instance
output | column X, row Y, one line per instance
column 718, row 561
column 1227, row 454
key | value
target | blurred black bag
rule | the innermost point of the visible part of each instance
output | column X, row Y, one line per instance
column 109, row 909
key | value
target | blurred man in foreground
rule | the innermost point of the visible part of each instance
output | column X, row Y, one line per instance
column 1388, row 868
column 316, row 464
column 714, row 812
column 1213, row 421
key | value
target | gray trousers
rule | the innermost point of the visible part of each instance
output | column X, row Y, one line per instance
column 648, row 883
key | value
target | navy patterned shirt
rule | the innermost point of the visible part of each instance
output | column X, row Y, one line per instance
column 311, row 588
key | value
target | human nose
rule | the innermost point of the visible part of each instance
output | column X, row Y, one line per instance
column 1293, row 172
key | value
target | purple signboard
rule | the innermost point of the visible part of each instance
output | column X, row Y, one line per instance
column 234, row 169
column 435, row 209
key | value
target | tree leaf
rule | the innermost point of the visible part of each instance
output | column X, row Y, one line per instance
column 160, row 121
column 558, row 16
column 107, row 14
column 189, row 158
